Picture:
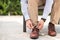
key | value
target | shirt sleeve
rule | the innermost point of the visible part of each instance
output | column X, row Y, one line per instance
column 24, row 9
column 47, row 8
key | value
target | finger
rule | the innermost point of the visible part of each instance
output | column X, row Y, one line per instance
column 29, row 26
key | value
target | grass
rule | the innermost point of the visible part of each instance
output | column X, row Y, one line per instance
column 40, row 12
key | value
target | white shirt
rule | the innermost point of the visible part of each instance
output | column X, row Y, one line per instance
column 47, row 9
column 24, row 9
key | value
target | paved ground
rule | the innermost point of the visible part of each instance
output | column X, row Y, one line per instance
column 11, row 28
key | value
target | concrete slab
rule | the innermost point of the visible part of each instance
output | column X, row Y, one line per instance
column 11, row 28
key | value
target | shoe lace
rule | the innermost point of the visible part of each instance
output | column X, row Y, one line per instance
column 35, row 29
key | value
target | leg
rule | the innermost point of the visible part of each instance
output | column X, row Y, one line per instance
column 33, row 9
column 33, row 13
column 41, row 2
column 24, row 25
column 55, row 15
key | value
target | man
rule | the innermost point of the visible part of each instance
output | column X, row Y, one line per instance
column 33, row 14
column 32, row 17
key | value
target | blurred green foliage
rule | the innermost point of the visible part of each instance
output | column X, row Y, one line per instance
column 10, row 6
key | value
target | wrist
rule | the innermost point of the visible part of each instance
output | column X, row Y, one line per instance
column 28, row 20
column 43, row 19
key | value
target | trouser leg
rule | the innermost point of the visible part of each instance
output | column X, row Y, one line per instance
column 33, row 10
column 55, row 15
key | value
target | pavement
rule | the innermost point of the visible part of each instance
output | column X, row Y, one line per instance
column 11, row 28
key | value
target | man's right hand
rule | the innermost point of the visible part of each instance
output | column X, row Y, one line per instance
column 29, row 24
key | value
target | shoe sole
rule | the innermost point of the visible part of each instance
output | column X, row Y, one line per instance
column 34, row 37
column 52, row 35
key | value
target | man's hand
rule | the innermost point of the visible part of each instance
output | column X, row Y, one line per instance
column 40, row 24
column 29, row 24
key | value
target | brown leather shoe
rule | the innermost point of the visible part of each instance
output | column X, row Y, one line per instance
column 51, row 29
column 35, row 33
